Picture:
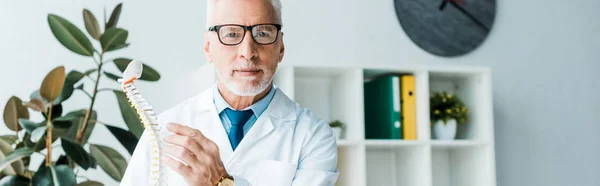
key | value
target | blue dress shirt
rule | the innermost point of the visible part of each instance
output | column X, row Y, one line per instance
column 257, row 108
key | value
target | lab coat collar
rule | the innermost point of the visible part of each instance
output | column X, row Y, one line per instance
column 281, row 109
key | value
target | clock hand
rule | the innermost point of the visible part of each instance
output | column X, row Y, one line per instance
column 461, row 9
column 444, row 2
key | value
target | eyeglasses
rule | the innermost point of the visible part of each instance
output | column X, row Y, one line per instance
column 232, row 34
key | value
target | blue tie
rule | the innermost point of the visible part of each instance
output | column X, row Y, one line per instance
column 237, row 119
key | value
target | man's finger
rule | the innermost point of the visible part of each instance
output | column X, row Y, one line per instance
column 189, row 143
column 179, row 167
column 184, row 130
column 181, row 153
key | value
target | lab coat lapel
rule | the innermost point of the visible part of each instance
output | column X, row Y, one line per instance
column 213, row 128
column 279, row 110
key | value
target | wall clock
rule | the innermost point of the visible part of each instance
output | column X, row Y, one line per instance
column 446, row 27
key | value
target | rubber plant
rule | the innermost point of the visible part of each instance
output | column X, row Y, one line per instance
column 71, row 130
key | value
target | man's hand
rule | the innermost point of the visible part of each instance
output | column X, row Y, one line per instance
column 204, row 166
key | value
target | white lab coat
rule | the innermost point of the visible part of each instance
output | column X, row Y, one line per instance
column 288, row 145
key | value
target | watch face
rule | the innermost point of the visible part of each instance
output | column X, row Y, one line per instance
column 446, row 27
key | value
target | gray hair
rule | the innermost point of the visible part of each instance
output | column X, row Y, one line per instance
column 210, row 4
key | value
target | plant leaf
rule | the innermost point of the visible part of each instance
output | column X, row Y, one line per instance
column 112, row 76
column 129, row 114
column 148, row 73
column 113, row 38
column 70, row 36
column 9, row 157
column 53, row 84
column 78, row 117
column 90, row 71
column 126, row 138
column 90, row 183
column 28, row 125
column 36, row 104
column 10, row 139
column 14, row 110
column 114, row 17
column 80, row 87
column 14, row 180
column 59, row 175
column 38, row 133
column 72, row 78
column 110, row 160
column 17, row 167
column 91, row 24
column 78, row 154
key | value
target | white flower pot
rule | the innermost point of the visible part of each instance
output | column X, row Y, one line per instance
column 338, row 132
column 443, row 131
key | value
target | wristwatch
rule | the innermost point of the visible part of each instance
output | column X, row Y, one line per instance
column 225, row 180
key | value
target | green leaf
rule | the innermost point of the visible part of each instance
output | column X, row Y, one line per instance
column 126, row 138
column 14, row 181
column 148, row 73
column 113, row 38
column 129, row 114
column 10, row 139
column 28, row 125
column 38, row 133
column 110, row 160
column 80, row 87
column 53, row 84
column 77, row 117
column 112, row 76
column 12, row 158
column 91, row 24
column 72, row 78
column 90, row 71
column 78, row 154
column 114, row 17
column 70, row 36
column 60, row 175
column 13, row 111
column 90, row 183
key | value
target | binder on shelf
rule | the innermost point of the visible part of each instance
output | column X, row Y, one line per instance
column 408, row 102
column 382, row 108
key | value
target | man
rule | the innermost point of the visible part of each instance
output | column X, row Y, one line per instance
column 244, row 130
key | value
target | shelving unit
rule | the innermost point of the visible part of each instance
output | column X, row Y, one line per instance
column 336, row 93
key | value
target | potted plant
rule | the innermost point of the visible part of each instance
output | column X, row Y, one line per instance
column 71, row 129
column 447, row 111
column 338, row 128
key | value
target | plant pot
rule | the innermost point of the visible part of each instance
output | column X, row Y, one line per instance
column 443, row 131
column 338, row 132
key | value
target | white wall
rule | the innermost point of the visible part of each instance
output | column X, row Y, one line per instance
column 543, row 61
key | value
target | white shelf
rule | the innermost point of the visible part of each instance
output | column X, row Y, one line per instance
column 336, row 93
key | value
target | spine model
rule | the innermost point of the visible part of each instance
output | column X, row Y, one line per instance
column 148, row 118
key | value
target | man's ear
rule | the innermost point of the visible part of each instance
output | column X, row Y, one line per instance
column 207, row 48
column 282, row 50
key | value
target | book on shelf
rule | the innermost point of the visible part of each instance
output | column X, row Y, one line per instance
column 390, row 111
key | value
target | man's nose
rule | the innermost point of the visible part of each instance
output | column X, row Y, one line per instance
column 248, row 48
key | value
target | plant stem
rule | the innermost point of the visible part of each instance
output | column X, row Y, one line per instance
column 49, row 137
column 88, row 114
column 86, row 93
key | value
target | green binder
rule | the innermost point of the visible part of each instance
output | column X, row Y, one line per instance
column 382, row 108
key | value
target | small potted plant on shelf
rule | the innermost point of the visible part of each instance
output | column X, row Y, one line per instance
column 338, row 128
column 447, row 111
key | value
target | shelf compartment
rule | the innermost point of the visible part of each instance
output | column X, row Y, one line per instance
column 332, row 94
column 472, row 86
column 462, row 164
column 405, row 166
column 421, row 93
